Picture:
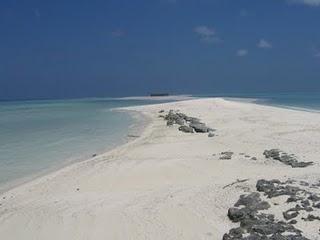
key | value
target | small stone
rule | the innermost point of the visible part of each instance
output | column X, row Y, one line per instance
column 290, row 214
column 293, row 221
column 211, row 134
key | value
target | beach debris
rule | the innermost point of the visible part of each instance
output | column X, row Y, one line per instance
column 255, row 224
column 226, row 155
column 288, row 159
column 186, row 122
column 236, row 182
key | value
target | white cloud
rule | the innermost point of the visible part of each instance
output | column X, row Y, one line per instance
column 313, row 3
column 264, row 44
column 242, row 52
column 118, row 33
column 206, row 34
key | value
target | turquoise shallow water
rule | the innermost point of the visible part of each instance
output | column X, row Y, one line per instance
column 39, row 135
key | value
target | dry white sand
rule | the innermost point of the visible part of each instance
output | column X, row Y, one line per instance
column 166, row 184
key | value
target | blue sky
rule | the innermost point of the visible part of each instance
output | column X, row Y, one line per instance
column 67, row 49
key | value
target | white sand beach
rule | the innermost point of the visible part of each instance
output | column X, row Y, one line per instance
column 167, row 184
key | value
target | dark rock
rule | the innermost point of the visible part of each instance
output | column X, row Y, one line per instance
column 305, row 203
column 170, row 122
column 226, row 155
column 199, row 127
column 255, row 225
column 283, row 157
column 252, row 201
column 161, row 111
column 293, row 221
column 186, row 129
column 311, row 218
column 316, row 205
column 237, row 214
column 94, row 155
column 314, row 198
column 211, row 134
column 180, row 121
column 290, row 214
column 274, row 188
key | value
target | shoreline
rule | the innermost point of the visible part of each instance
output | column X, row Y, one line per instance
column 139, row 123
column 166, row 181
column 136, row 129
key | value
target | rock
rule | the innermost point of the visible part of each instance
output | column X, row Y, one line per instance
column 226, row 155
column 314, row 198
column 236, row 214
column 290, row 214
column 161, row 111
column 199, row 127
column 186, row 129
column 305, row 203
column 254, row 158
column 261, row 226
column 94, row 155
column 275, row 188
column 316, row 205
column 170, row 122
column 293, row 221
column 252, row 202
column 311, row 218
column 283, row 157
column 180, row 121
column 211, row 134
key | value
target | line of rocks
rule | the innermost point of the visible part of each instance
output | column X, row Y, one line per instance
column 187, row 124
column 288, row 159
column 257, row 225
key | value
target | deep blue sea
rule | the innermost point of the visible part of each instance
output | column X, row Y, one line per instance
column 37, row 136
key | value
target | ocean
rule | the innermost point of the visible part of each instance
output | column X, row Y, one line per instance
column 36, row 136
column 39, row 136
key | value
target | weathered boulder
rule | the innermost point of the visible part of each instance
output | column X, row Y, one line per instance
column 199, row 127
column 211, row 134
column 186, row 129
column 288, row 159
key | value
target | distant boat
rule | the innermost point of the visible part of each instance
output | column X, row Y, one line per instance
column 159, row 94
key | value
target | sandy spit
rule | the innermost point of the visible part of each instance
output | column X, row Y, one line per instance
column 166, row 184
